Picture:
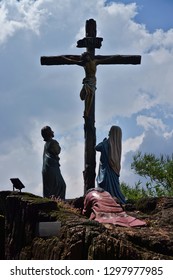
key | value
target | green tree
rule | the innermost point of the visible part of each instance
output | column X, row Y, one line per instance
column 157, row 170
column 134, row 193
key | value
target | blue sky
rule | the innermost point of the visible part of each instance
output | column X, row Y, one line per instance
column 136, row 97
column 154, row 14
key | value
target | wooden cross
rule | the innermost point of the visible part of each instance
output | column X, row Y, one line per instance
column 89, row 62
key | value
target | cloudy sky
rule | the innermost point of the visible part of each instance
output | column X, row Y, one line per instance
column 138, row 98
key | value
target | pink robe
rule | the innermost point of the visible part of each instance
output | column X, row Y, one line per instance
column 101, row 207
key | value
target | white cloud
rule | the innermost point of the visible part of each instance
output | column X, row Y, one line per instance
column 129, row 148
column 151, row 123
column 8, row 27
column 23, row 15
column 132, row 144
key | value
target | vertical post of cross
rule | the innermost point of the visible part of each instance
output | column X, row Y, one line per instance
column 90, row 42
column 89, row 125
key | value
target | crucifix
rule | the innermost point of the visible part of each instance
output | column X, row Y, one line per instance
column 89, row 61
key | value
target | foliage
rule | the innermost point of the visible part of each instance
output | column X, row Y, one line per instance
column 157, row 170
column 132, row 193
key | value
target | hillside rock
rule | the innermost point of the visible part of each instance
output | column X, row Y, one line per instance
column 79, row 238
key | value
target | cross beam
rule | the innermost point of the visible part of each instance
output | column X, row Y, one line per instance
column 89, row 62
column 103, row 59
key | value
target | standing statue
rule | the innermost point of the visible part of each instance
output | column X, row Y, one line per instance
column 110, row 163
column 53, row 182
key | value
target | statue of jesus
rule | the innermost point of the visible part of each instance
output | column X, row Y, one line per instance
column 89, row 63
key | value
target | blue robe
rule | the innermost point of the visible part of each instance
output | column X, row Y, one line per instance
column 53, row 182
column 107, row 178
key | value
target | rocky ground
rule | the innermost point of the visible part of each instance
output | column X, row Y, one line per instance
column 80, row 238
